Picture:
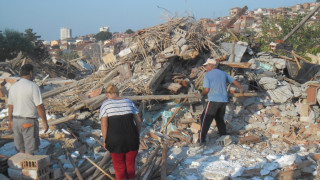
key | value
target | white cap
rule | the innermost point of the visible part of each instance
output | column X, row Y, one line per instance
column 210, row 61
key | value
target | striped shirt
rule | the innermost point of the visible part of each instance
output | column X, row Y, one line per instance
column 112, row 107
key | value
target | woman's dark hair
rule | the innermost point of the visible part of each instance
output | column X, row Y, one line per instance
column 26, row 69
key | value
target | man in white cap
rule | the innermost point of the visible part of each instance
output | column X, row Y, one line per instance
column 215, row 86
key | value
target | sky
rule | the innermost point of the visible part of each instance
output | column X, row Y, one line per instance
column 46, row 17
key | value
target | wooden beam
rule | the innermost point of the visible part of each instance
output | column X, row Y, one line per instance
column 60, row 120
column 236, row 64
column 96, row 104
column 76, row 170
column 301, row 22
column 296, row 59
column 99, row 168
column 150, row 158
column 244, row 94
column 300, row 57
column 163, row 174
column 63, row 88
column 230, row 23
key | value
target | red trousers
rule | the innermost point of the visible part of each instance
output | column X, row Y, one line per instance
column 123, row 164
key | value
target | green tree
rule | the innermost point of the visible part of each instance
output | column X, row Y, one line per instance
column 39, row 51
column 129, row 31
column 102, row 36
column 11, row 43
column 304, row 40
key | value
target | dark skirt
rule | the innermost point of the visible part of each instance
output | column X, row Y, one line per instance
column 122, row 135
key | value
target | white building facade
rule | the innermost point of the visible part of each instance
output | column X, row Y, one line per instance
column 65, row 33
column 104, row 29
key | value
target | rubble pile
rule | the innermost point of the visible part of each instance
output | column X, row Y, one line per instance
column 274, row 126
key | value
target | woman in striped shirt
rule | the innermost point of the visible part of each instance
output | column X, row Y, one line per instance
column 120, row 127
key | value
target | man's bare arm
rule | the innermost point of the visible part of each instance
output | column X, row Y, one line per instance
column 10, row 111
column 205, row 91
column 238, row 86
column 42, row 113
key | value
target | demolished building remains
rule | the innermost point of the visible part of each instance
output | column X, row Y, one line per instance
column 274, row 126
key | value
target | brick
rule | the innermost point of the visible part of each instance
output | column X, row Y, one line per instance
column 249, row 139
column 289, row 175
column 311, row 95
column 179, row 135
column 304, row 112
column 312, row 130
column 224, row 140
column 16, row 160
column 275, row 111
column 94, row 93
column 316, row 157
column 281, row 130
column 40, row 174
column 36, row 162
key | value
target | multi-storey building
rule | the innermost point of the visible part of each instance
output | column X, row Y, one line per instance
column 65, row 33
column 104, row 29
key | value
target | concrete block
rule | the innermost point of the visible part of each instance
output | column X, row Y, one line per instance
column 195, row 138
column 15, row 173
column 195, row 128
column 304, row 112
column 3, row 164
column 36, row 162
column 16, row 160
column 112, row 171
column 41, row 174
column 3, row 177
column 196, row 109
column 249, row 139
column 224, row 140
column 56, row 173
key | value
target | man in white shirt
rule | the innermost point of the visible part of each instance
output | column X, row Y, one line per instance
column 25, row 105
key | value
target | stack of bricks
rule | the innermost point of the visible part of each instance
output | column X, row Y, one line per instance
column 26, row 167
